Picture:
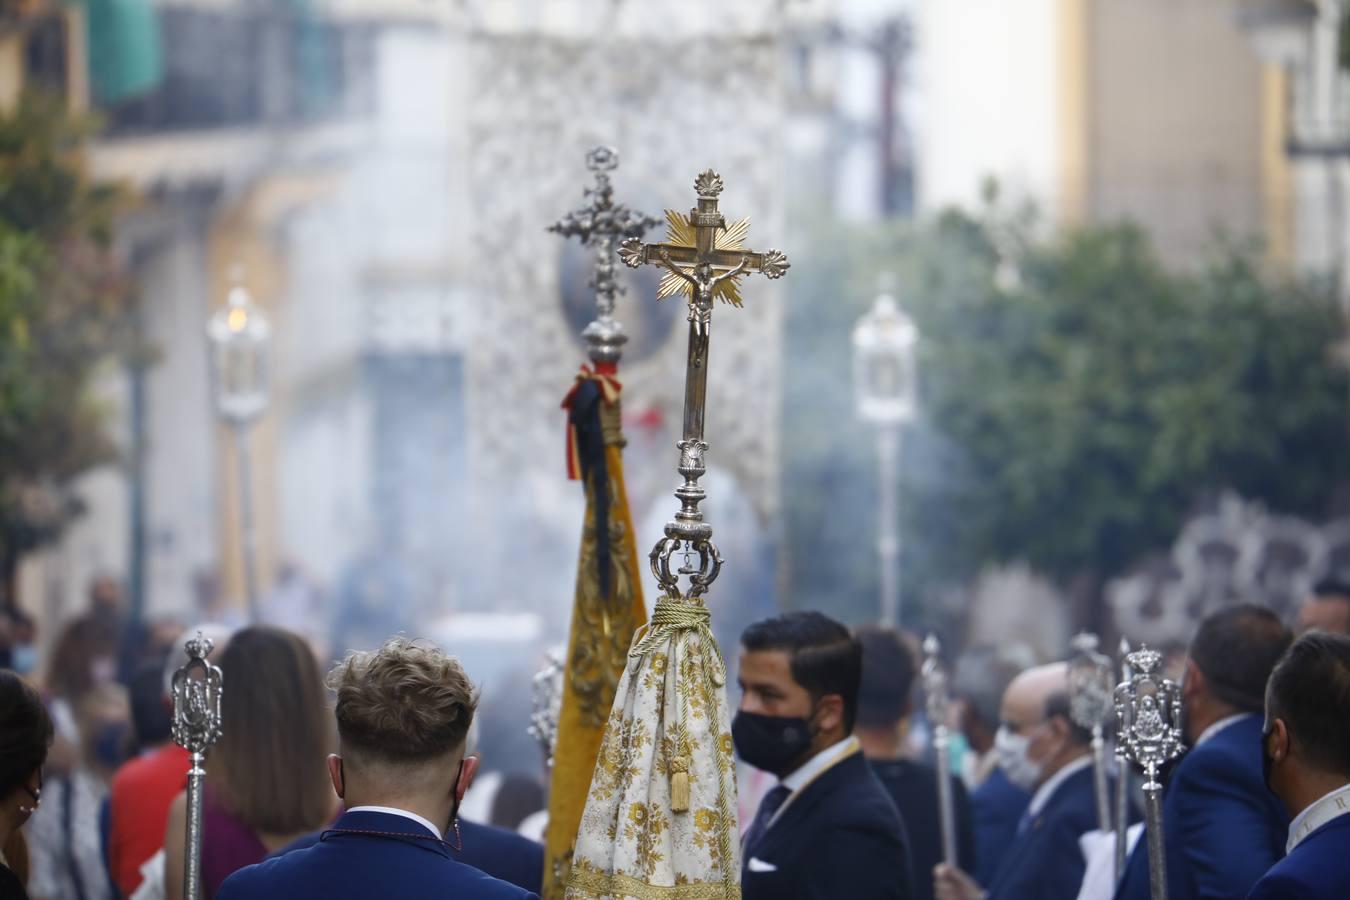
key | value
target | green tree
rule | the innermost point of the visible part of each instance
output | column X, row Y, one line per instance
column 61, row 308
column 1076, row 414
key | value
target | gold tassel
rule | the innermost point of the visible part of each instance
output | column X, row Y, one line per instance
column 679, row 784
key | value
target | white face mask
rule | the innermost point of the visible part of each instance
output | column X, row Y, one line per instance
column 1012, row 759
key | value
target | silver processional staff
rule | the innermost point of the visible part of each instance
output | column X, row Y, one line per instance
column 1148, row 720
column 196, row 726
column 935, row 687
column 1090, row 687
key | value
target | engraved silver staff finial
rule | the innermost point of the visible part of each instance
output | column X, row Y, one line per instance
column 196, row 690
column 546, row 690
column 599, row 223
column 1090, row 700
column 1148, row 717
column 935, row 687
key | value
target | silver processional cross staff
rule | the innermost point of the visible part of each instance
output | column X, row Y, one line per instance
column 196, row 726
column 935, row 687
column 1148, row 717
column 1090, row 688
column 1122, row 782
column 704, row 260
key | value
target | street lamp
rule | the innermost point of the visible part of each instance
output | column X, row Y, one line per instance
column 240, row 337
column 884, row 344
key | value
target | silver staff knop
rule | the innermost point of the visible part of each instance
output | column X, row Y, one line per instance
column 1148, row 716
column 196, row 726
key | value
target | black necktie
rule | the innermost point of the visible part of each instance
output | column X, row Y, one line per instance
column 772, row 802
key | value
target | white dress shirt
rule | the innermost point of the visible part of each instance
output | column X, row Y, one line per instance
column 1218, row 726
column 1047, row 790
column 1329, row 806
column 391, row 811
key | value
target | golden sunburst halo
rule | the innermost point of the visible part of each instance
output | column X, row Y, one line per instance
column 680, row 231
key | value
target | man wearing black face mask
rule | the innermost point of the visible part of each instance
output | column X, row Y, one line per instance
column 1306, row 762
column 828, row 829
column 403, row 715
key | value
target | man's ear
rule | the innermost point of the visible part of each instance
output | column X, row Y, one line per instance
column 1193, row 682
column 1280, row 744
column 830, row 713
column 336, row 773
column 466, row 775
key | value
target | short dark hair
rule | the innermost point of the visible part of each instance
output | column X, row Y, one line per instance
column 1310, row 691
column 1332, row 588
column 824, row 657
column 888, row 671
column 25, row 732
column 1060, row 704
column 1235, row 649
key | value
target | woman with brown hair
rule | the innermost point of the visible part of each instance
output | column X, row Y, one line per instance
column 25, row 735
column 266, row 779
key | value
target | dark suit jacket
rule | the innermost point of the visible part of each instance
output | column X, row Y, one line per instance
column 1223, row 829
column 1318, row 869
column 838, row 837
column 399, row 862
column 913, row 787
column 1044, row 861
column 500, row 853
column 997, row 806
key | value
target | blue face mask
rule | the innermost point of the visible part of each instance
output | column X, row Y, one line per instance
column 23, row 658
column 110, row 745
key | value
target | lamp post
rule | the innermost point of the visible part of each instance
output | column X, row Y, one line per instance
column 884, row 343
column 240, row 336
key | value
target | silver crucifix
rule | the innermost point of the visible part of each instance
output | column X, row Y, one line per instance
column 598, row 224
column 196, row 726
column 1148, row 717
column 1090, row 688
column 704, row 260
column 935, row 687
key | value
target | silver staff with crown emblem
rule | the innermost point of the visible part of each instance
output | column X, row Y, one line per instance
column 704, row 260
column 1090, row 687
column 196, row 726
column 1148, row 717
column 1123, row 781
column 935, row 687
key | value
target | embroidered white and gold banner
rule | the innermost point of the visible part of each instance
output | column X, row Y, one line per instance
column 660, row 818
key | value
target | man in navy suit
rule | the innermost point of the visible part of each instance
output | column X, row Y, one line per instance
column 1306, row 754
column 884, row 706
column 403, row 713
column 827, row 830
column 1222, row 828
column 1041, row 750
column 498, row 852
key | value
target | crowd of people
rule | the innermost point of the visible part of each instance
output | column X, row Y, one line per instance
column 358, row 784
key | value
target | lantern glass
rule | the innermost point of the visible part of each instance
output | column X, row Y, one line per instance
column 884, row 344
column 240, row 337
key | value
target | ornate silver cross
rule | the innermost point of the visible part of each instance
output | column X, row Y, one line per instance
column 598, row 224
column 704, row 259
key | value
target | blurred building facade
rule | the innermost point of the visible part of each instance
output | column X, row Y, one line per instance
column 1100, row 110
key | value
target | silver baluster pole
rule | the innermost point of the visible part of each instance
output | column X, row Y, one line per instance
column 1090, row 687
column 1148, row 716
column 1122, row 780
column 196, row 726
column 935, row 686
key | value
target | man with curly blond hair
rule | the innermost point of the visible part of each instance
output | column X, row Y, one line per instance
column 403, row 715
